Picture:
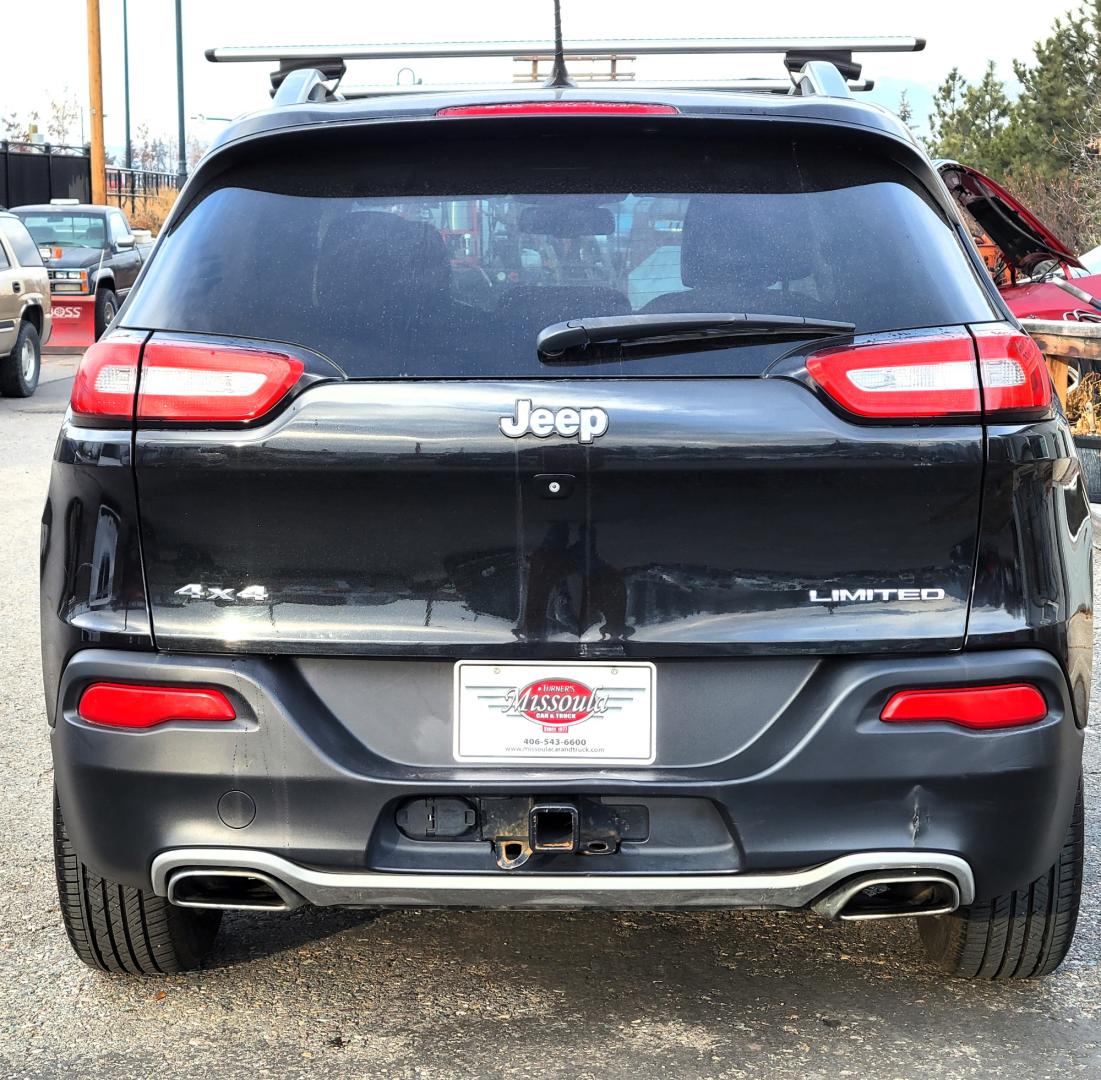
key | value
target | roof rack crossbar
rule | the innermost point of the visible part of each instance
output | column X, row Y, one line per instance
column 807, row 48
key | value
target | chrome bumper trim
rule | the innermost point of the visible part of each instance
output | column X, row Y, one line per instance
column 790, row 889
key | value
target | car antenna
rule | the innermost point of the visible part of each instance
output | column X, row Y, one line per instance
column 559, row 77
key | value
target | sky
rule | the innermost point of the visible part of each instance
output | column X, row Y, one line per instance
column 54, row 63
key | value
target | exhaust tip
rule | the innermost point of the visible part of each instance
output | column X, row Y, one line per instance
column 891, row 895
column 230, row 890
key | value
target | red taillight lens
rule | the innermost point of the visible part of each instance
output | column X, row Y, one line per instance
column 979, row 707
column 1014, row 373
column 929, row 376
column 196, row 382
column 936, row 376
column 127, row 706
column 106, row 379
column 547, row 108
column 181, row 380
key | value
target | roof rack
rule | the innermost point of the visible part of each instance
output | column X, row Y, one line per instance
column 817, row 66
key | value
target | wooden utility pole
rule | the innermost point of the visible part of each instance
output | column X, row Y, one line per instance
column 95, row 99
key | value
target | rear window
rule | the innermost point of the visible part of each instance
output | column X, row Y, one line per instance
column 447, row 259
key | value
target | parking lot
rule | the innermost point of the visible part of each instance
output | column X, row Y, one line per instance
column 440, row 994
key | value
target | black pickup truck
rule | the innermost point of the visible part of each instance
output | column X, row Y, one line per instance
column 89, row 251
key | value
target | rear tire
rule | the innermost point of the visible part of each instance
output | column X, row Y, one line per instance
column 1021, row 935
column 122, row 929
column 107, row 303
column 19, row 370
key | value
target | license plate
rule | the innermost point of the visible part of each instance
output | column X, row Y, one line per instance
column 555, row 712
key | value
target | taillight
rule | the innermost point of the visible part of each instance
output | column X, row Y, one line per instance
column 1014, row 374
column 978, row 707
column 547, row 108
column 196, row 382
column 952, row 374
column 128, row 706
column 106, row 379
column 187, row 381
column 929, row 376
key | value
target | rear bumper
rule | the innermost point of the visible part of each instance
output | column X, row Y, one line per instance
column 820, row 780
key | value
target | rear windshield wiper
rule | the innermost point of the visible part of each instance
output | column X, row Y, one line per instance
column 626, row 336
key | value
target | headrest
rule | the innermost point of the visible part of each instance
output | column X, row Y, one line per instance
column 726, row 237
column 381, row 251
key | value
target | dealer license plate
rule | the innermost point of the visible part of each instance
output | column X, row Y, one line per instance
column 554, row 712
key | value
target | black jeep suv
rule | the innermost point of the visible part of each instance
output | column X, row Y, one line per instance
column 567, row 498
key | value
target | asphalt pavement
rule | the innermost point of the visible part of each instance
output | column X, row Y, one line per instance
column 456, row 994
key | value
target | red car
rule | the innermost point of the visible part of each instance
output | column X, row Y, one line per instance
column 1039, row 269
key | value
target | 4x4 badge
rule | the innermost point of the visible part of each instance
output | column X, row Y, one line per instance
column 258, row 594
column 584, row 424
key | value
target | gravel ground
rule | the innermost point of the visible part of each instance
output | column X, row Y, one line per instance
column 429, row 994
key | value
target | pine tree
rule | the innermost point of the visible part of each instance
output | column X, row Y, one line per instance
column 969, row 122
column 1059, row 90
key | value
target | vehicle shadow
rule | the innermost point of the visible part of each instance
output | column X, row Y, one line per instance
column 595, row 940
column 627, row 950
column 244, row 938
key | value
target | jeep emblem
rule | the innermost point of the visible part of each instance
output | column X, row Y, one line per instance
column 584, row 424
